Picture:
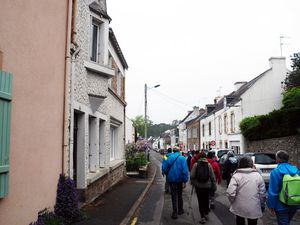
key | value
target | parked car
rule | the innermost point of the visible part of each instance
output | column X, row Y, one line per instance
column 264, row 162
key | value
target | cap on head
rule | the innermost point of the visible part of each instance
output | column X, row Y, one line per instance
column 175, row 149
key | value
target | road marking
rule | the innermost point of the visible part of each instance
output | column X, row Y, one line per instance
column 134, row 221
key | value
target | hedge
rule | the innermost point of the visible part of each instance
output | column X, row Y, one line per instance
column 278, row 123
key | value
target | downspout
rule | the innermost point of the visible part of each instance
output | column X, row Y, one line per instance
column 65, row 130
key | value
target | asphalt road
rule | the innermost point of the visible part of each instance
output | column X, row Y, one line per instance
column 156, row 208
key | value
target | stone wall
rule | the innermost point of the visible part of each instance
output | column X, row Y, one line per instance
column 101, row 185
column 291, row 144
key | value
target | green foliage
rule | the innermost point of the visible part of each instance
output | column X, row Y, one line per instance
column 46, row 217
column 291, row 98
column 135, row 156
column 278, row 123
column 293, row 77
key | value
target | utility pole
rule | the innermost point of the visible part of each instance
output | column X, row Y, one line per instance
column 146, row 111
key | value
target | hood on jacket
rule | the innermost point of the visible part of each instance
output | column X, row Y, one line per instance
column 286, row 168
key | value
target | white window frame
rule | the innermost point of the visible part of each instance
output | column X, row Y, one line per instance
column 232, row 122
column 99, row 51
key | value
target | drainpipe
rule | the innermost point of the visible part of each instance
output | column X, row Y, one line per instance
column 66, row 88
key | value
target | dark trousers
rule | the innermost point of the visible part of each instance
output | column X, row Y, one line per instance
column 241, row 221
column 167, row 186
column 176, row 193
column 203, row 200
column 284, row 217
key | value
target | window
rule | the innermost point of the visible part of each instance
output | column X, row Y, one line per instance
column 119, row 83
column 101, row 143
column 195, row 133
column 113, row 142
column 220, row 125
column 95, row 42
column 189, row 133
column 232, row 122
column 5, row 115
column 225, row 124
column 202, row 130
column 209, row 128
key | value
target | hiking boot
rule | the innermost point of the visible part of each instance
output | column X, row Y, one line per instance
column 180, row 212
column 174, row 216
column 202, row 221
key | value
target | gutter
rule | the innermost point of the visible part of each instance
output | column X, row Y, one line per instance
column 65, row 130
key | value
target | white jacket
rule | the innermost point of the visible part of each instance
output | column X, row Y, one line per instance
column 246, row 193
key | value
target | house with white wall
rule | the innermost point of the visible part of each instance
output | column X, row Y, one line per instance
column 97, row 102
column 130, row 131
column 259, row 96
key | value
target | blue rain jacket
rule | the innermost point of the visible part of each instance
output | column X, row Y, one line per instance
column 179, row 171
column 275, row 186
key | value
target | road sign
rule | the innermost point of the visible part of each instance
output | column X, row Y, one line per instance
column 212, row 143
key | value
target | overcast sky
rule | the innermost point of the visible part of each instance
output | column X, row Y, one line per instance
column 198, row 49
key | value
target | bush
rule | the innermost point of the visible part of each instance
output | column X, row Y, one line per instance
column 291, row 98
column 278, row 123
column 66, row 205
column 45, row 217
column 135, row 162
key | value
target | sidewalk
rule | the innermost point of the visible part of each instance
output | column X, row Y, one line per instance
column 118, row 204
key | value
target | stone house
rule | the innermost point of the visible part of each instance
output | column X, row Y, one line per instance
column 194, row 132
column 97, row 102
column 221, row 124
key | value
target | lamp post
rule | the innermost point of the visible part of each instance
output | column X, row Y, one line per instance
column 146, row 88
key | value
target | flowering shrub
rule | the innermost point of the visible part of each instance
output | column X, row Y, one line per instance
column 67, row 200
column 135, row 155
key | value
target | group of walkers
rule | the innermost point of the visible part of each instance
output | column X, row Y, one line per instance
column 246, row 189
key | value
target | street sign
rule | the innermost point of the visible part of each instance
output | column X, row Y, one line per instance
column 212, row 143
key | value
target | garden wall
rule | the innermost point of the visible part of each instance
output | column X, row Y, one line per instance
column 291, row 144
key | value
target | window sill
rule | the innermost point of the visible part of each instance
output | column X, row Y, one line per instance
column 99, row 69
column 116, row 163
column 92, row 177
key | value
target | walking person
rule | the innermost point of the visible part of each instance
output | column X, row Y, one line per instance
column 217, row 172
column 246, row 193
column 194, row 159
column 164, row 161
column 230, row 165
column 283, row 211
column 177, row 172
column 203, row 179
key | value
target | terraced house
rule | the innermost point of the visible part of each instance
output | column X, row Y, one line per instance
column 97, row 146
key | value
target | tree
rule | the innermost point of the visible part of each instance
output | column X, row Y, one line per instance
column 291, row 98
column 293, row 77
column 139, row 124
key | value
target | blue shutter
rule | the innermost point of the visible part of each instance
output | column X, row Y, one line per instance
column 5, row 115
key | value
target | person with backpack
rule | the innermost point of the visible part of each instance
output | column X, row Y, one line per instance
column 217, row 172
column 177, row 174
column 164, row 161
column 284, row 196
column 194, row 159
column 230, row 165
column 246, row 193
column 203, row 179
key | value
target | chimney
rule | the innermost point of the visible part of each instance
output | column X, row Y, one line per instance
column 196, row 108
column 277, row 61
column 239, row 84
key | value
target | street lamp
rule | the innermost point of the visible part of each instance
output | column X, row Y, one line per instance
column 147, row 88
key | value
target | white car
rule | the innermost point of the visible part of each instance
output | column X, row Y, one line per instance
column 264, row 162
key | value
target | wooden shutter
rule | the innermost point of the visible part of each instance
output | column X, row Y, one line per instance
column 5, row 115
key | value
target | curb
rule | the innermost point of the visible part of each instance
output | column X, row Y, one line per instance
column 139, row 201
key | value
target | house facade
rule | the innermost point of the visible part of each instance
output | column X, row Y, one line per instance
column 97, row 102
column 182, row 128
column 259, row 96
column 34, row 69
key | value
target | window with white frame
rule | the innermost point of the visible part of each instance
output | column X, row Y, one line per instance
column 220, row 125
column 209, row 128
column 232, row 122
column 225, row 123
column 189, row 133
column 95, row 46
column 202, row 130
column 113, row 142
